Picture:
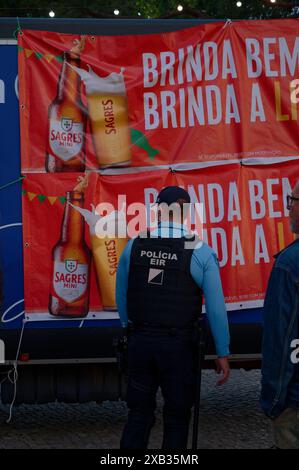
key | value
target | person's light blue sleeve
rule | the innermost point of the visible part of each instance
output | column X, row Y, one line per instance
column 122, row 276
column 205, row 272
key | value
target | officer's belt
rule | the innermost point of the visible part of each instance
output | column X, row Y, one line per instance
column 161, row 329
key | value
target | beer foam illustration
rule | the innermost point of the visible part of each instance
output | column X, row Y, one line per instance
column 112, row 225
column 113, row 84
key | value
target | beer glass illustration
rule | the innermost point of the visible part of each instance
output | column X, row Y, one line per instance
column 106, row 251
column 108, row 115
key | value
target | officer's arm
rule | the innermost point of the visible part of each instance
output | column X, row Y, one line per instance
column 122, row 283
column 205, row 271
column 215, row 306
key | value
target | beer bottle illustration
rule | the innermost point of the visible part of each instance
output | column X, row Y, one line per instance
column 67, row 118
column 69, row 295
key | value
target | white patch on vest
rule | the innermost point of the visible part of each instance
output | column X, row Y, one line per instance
column 155, row 276
column 159, row 255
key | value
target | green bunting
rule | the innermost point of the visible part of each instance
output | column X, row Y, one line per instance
column 62, row 199
column 40, row 55
column 41, row 198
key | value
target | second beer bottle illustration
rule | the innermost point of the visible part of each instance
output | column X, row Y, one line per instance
column 67, row 121
column 69, row 295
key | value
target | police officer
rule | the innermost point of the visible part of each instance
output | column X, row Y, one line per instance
column 159, row 287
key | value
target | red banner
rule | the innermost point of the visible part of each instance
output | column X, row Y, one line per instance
column 213, row 92
column 245, row 221
column 113, row 120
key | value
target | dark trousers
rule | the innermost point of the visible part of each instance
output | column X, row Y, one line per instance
column 161, row 360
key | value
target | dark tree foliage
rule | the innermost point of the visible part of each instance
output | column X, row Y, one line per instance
column 250, row 9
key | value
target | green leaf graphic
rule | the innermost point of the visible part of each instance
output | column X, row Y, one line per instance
column 38, row 55
column 59, row 58
column 139, row 139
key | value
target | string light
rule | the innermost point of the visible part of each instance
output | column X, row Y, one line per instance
column 180, row 8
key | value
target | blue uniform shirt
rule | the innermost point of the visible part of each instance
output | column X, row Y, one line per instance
column 204, row 269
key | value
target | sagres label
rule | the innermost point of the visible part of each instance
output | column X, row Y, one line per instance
column 70, row 279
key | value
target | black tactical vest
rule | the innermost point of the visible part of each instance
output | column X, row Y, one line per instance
column 161, row 290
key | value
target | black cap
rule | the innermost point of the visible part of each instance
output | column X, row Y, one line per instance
column 172, row 194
